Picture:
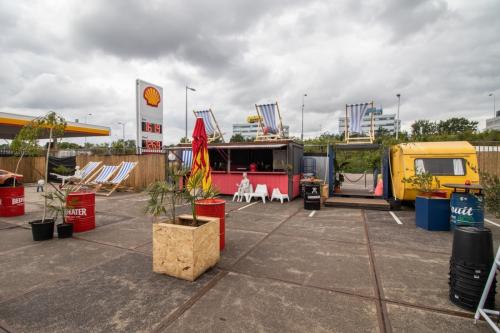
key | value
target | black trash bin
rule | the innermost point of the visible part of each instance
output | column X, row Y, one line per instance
column 312, row 197
column 470, row 262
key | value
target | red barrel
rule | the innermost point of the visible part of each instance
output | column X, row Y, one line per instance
column 80, row 210
column 214, row 208
column 11, row 201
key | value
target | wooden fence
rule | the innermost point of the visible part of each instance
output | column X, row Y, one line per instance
column 489, row 162
column 150, row 167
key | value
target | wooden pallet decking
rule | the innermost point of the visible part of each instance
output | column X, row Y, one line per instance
column 365, row 203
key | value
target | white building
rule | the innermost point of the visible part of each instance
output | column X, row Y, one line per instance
column 493, row 123
column 249, row 131
column 380, row 120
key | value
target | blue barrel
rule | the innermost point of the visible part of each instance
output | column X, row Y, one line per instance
column 466, row 210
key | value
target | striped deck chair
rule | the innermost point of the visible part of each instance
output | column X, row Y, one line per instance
column 187, row 159
column 213, row 131
column 107, row 187
column 269, row 129
column 86, row 172
column 354, row 116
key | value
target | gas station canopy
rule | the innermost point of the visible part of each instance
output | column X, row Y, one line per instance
column 11, row 123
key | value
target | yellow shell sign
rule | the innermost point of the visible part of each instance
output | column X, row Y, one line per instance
column 152, row 96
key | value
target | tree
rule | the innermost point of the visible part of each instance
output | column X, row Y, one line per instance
column 237, row 138
column 25, row 143
column 56, row 125
column 456, row 126
column 423, row 128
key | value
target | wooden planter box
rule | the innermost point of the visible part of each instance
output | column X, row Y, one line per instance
column 183, row 251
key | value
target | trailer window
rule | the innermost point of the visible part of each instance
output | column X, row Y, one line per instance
column 440, row 166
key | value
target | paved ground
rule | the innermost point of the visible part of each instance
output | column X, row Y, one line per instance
column 283, row 270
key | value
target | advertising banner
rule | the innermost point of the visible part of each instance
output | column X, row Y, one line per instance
column 149, row 99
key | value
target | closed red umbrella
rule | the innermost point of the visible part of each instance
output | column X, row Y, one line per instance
column 200, row 153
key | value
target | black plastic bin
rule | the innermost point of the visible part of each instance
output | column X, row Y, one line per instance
column 312, row 197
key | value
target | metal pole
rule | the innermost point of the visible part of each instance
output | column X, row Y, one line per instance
column 186, row 120
column 302, row 128
column 494, row 106
column 192, row 89
column 398, row 121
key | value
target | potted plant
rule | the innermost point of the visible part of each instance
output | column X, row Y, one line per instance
column 24, row 144
column 432, row 210
column 187, row 245
column 57, row 205
column 55, row 125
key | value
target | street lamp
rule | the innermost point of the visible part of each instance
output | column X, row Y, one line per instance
column 192, row 89
column 494, row 111
column 302, row 130
column 123, row 130
column 398, row 121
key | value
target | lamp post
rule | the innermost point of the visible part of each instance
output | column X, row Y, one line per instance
column 123, row 130
column 398, row 121
column 302, row 128
column 86, row 120
column 192, row 89
column 494, row 111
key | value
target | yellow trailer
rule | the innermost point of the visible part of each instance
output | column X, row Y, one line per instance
column 450, row 162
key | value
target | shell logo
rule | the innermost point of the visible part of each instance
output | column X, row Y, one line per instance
column 152, row 96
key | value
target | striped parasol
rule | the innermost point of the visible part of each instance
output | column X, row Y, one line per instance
column 200, row 154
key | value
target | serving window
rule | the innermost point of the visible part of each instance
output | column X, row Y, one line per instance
column 440, row 166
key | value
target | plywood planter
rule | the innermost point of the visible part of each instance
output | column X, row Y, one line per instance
column 184, row 251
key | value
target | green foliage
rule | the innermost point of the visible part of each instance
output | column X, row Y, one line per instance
column 453, row 126
column 237, row 138
column 184, row 140
column 56, row 203
column 62, row 170
column 423, row 182
column 163, row 192
column 68, row 145
column 491, row 185
column 25, row 144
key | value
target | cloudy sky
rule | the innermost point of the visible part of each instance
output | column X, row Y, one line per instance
column 81, row 57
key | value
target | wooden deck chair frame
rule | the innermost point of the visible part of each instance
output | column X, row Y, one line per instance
column 362, row 139
column 76, row 186
column 218, row 133
column 269, row 137
column 89, row 180
column 102, row 189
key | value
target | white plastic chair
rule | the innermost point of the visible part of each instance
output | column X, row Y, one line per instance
column 260, row 192
column 239, row 197
column 278, row 195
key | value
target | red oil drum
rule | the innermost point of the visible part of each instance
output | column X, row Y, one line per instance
column 11, row 201
column 214, row 208
column 81, row 210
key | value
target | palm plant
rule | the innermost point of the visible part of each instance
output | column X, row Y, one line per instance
column 57, row 203
column 169, row 193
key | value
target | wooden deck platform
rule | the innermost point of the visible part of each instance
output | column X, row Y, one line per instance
column 353, row 202
column 355, row 194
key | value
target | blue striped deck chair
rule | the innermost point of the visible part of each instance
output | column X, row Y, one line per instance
column 101, row 176
column 355, row 115
column 85, row 172
column 109, row 186
column 269, row 128
column 212, row 127
column 187, row 159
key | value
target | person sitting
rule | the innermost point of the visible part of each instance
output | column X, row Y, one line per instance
column 244, row 187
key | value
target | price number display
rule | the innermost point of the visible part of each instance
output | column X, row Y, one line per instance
column 152, row 144
column 151, row 127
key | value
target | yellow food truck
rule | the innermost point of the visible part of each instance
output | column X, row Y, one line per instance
column 451, row 162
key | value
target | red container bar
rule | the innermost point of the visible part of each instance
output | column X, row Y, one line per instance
column 276, row 164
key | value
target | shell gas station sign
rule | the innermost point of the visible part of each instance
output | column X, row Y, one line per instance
column 149, row 99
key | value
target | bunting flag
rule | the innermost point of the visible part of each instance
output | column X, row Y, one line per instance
column 200, row 153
